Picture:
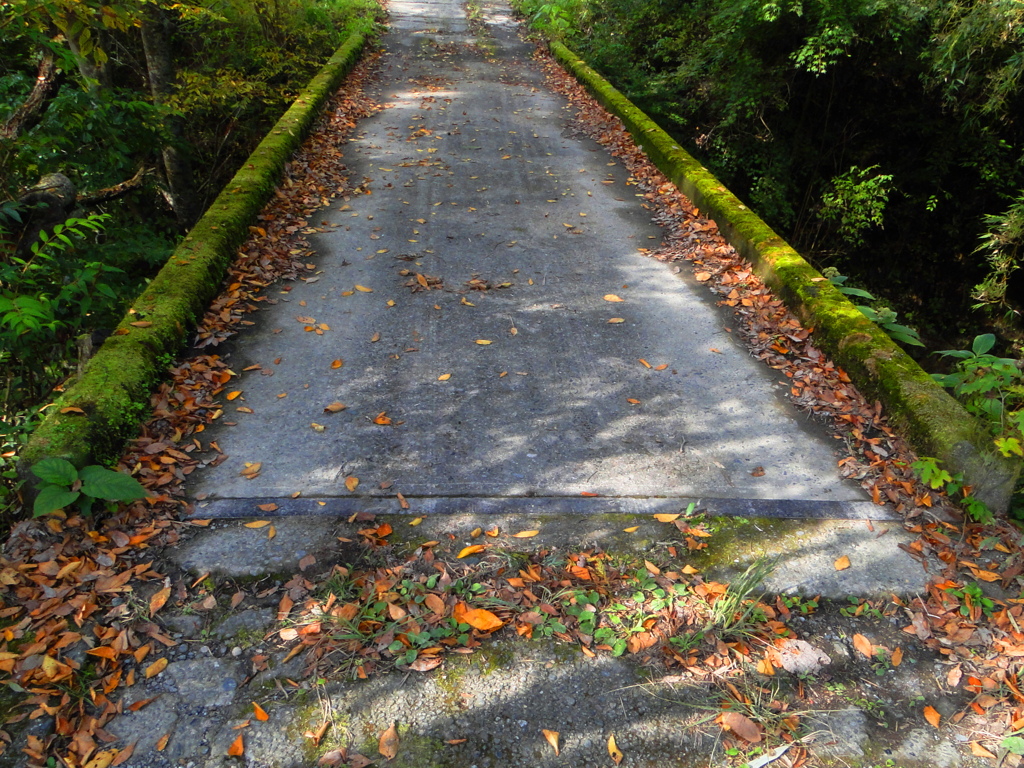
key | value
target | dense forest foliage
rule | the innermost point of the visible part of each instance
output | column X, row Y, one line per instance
column 880, row 137
column 119, row 123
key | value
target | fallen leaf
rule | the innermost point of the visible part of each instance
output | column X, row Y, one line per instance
column 932, row 716
column 317, row 427
column 444, row 377
column 741, row 725
column 472, row 549
column 260, row 712
column 351, row 483
column 757, row 472
column 271, row 532
column 257, row 524
column 897, row 657
column 475, row 533
column 307, row 561
column 632, row 529
column 71, row 409
column 161, row 743
column 404, row 504
column 157, row 601
column 233, row 395
column 382, row 419
column 337, row 363
column 842, row 563
column 644, row 363
column 269, row 507
column 388, row 745
column 525, row 534
column 335, row 407
column 863, row 645
column 979, row 751
column 482, row 619
column 661, row 367
column 666, row 517
column 237, row 748
column 156, row 668
column 613, row 750
column 484, row 342
column 703, row 276
column 552, row 739
column 364, row 289
column 493, row 532
column 374, row 338
column 426, row 663
column 612, row 297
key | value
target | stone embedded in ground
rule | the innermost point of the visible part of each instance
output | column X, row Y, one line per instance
column 841, row 734
column 926, row 746
column 252, row 622
column 208, row 682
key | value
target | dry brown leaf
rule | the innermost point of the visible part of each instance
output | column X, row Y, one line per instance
column 335, row 407
column 156, row 668
column 979, row 751
column 482, row 619
column 271, row 507
column 863, row 645
column 613, row 750
column 161, row 743
column 525, row 534
column 307, row 561
column 402, row 501
column 388, row 745
column 552, row 739
column 426, row 663
column 159, row 600
column 703, row 276
column 123, row 755
column 741, row 725
column 932, row 716
column 842, row 563
column 237, row 748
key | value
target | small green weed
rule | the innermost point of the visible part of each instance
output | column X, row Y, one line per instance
column 63, row 485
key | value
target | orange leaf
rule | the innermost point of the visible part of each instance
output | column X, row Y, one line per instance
column 260, row 712
column 257, row 524
column 157, row 601
column 863, row 645
column 897, row 657
column 932, row 716
column 472, row 549
column 482, row 619
column 666, row 518
column 237, row 748
column 644, row 363
column 617, row 320
column 525, row 534
column 612, row 297
column 351, row 483
column 842, row 563
column 552, row 739
column 703, row 276
column 156, row 668
column 661, row 367
column 335, row 407
column 388, row 745
column 631, row 529
column 337, row 364
column 233, row 395
column 979, row 751
column 741, row 725
column 161, row 743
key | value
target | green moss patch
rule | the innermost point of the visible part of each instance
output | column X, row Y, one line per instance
column 113, row 393
column 932, row 421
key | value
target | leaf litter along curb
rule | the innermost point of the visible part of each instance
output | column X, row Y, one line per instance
column 71, row 582
column 972, row 631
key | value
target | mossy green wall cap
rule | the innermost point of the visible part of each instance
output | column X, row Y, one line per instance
column 112, row 396
column 932, row 421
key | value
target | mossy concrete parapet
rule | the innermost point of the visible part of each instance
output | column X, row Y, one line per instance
column 113, row 392
column 932, row 421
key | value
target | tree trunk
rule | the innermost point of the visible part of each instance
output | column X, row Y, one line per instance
column 177, row 169
column 33, row 108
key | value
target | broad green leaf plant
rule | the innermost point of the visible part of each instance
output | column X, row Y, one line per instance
column 63, row 485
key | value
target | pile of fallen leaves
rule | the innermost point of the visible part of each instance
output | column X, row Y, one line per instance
column 69, row 584
column 973, row 627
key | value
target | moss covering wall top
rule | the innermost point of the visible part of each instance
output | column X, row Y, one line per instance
column 933, row 422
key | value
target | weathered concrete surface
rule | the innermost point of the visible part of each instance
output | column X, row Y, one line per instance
column 473, row 176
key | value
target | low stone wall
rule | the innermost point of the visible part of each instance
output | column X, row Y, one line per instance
column 932, row 421
column 113, row 391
